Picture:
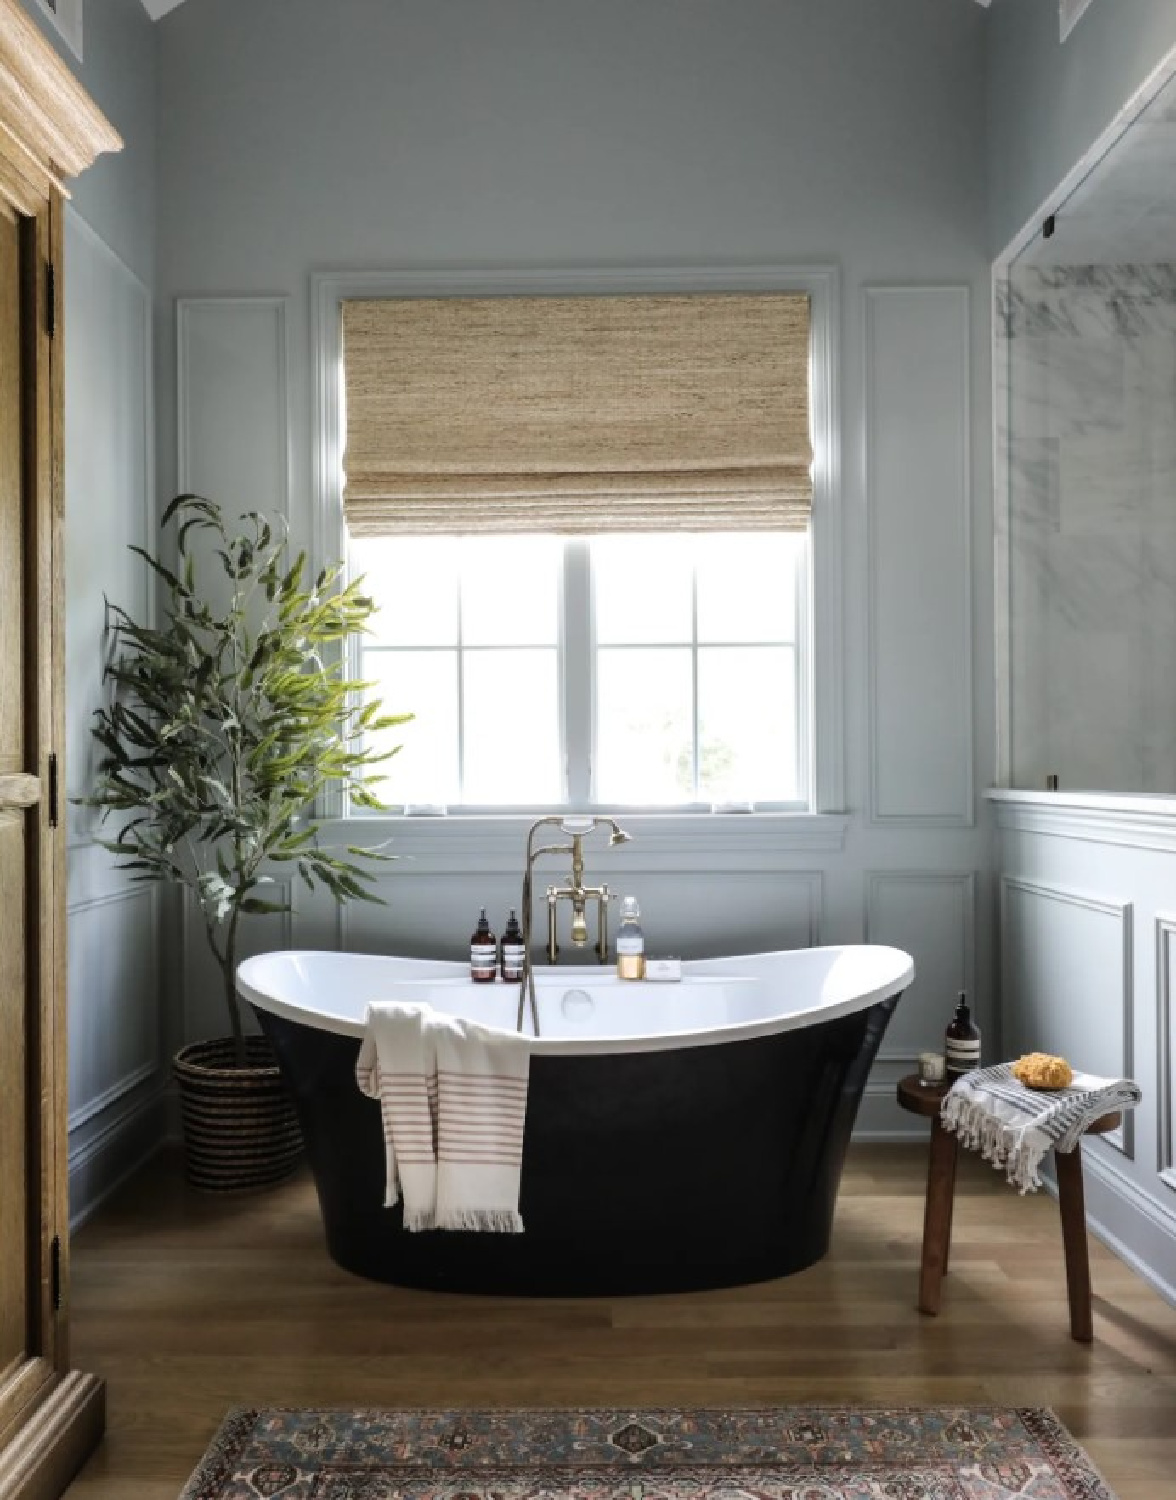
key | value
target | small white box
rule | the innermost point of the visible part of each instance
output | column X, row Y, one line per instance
column 663, row 970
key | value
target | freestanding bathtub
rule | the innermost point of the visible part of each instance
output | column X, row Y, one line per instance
column 678, row 1136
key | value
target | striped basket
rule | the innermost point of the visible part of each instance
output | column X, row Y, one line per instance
column 240, row 1130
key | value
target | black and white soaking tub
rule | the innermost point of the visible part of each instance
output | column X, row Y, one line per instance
column 678, row 1136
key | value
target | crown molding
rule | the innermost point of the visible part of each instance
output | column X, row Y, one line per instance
column 50, row 128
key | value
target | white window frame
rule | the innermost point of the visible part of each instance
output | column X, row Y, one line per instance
column 824, row 693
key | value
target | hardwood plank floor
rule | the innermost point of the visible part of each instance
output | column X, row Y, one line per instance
column 188, row 1305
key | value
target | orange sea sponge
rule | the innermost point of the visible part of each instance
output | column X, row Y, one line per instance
column 1041, row 1070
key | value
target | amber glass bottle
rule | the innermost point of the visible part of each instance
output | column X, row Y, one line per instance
column 483, row 953
column 512, row 950
column 961, row 1042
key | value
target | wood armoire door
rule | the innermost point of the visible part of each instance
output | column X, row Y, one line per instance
column 49, row 1415
column 20, row 795
column 50, row 129
column 16, row 791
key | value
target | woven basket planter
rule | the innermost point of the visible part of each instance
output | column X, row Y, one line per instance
column 240, row 1130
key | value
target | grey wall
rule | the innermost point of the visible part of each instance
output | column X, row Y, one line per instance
column 116, row 197
column 300, row 136
column 1048, row 102
column 115, row 1036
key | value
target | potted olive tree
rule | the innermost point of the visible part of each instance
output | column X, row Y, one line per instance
column 225, row 726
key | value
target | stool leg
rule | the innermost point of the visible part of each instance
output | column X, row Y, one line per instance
column 1072, row 1202
column 937, row 1215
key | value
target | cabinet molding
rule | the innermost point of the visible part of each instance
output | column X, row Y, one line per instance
column 51, row 128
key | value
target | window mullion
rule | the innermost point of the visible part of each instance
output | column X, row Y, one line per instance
column 577, row 676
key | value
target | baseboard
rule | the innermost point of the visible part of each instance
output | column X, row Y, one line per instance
column 118, row 1149
column 54, row 1443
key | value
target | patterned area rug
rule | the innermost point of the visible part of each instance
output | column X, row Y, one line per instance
column 774, row 1453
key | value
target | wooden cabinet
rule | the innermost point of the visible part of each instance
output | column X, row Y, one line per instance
column 50, row 1414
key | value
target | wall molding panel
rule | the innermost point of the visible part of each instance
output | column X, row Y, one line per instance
column 1165, row 1051
column 115, row 1021
column 1072, row 980
column 233, row 401
column 918, row 647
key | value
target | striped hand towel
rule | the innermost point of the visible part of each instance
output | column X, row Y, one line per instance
column 1014, row 1126
column 453, row 1104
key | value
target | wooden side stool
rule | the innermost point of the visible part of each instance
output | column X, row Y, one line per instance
column 921, row 1099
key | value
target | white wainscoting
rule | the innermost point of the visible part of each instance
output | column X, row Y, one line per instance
column 680, row 912
column 919, row 523
column 1068, row 981
column 1165, row 1052
column 113, row 999
column 1087, row 925
column 115, row 1050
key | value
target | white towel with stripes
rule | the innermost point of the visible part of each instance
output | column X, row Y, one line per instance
column 453, row 1105
column 1014, row 1126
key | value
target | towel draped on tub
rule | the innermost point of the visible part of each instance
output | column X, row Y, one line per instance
column 453, row 1104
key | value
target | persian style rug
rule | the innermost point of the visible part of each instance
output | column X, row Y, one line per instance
column 772, row 1453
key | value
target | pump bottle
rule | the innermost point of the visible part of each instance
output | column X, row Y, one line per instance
column 630, row 942
column 483, row 953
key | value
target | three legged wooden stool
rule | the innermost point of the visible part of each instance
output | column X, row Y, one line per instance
column 920, row 1099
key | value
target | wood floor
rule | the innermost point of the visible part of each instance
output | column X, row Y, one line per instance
column 188, row 1306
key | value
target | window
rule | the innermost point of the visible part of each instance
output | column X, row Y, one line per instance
column 650, row 670
column 690, row 420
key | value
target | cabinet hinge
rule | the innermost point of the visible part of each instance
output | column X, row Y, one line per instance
column 51, row 297
column 55, row 1271
column 54, row 790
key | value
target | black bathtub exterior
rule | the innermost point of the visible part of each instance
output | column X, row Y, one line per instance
column 642, row 1172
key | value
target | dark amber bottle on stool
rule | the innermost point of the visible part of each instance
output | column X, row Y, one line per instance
column 961, row 1042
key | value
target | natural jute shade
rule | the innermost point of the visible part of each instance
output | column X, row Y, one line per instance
column 577, row 414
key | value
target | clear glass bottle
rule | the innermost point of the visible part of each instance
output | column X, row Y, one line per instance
column 483, row 953
column 961, row 1042
column 630, row 942
column 513, row 952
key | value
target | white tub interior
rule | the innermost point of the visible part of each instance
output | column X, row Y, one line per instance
column 587, row 1009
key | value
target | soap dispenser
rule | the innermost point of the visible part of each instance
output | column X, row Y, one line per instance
column 961, row 1042
column 630, row 942
column 483, row 953
column 512, row 950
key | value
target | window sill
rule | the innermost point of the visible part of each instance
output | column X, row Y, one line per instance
column 661, row 841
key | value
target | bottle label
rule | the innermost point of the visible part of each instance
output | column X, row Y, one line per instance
column 962, row 1054
column 483, row 960
column 628, row 944
column 512, row 960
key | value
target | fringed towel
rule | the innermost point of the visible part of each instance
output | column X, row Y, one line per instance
column 1014, row 1126
column 453, row 1103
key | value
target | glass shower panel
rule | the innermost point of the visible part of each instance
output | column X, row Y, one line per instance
column 1091, row 359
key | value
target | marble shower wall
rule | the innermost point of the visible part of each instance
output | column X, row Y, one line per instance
column 1092, row 525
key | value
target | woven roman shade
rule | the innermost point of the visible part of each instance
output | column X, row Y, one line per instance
column 577, row 414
